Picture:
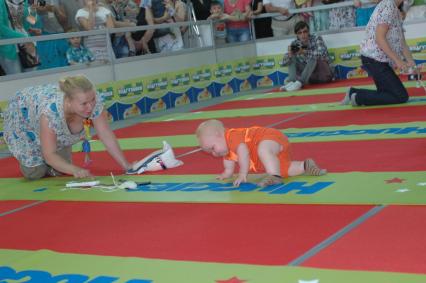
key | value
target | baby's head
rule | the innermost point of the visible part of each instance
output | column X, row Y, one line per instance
column 211, row 137
column 215, row 7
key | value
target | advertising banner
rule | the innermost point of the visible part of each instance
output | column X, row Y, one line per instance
column 243, row 70
column 203, row 84
column 224, row 79
column 180, row 88
column 264, row 73
column 156, row 94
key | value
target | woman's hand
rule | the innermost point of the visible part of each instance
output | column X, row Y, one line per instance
column 401, row 65
column 81, row 173
column 411, row 64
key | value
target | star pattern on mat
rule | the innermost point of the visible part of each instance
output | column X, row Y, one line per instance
column 231, row 280
column 394, row 180
column 421, row 184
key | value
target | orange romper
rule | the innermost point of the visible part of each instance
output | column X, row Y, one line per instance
column 252, row 137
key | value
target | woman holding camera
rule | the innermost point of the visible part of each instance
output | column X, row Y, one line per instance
column 383, row 48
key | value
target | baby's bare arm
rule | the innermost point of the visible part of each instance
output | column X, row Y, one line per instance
column 244, row 163
column 228, row 171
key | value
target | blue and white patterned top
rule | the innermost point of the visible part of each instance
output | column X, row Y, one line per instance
column 79, row 55
column 22, row 122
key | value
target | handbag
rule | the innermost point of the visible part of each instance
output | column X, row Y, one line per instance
column 28, row 59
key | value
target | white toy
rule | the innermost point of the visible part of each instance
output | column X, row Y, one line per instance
column 121, row 185
column 158, row 160
column 82, row 184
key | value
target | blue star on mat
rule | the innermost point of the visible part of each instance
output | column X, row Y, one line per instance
column 39, row 190
column 394, row 180
column 231, row 280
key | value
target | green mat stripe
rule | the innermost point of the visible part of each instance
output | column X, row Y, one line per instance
column 322, row 134
column 129, row 269
column 372, row 188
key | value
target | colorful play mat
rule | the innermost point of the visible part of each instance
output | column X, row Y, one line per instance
column 365, row 221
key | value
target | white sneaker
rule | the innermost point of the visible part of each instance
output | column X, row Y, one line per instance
column 286, row 86
column 347, row 99
column 294, row 86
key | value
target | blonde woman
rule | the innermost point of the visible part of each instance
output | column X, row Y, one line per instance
column 42, row 123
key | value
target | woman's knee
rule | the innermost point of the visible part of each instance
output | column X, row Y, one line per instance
column 403, row 98
column 33, row 173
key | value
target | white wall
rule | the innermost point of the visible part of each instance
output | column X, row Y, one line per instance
column 335, row 40
column 152, row 66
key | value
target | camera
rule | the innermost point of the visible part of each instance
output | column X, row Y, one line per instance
column 296, row 46
column 41, row 3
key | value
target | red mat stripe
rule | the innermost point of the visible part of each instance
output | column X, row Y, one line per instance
column 191, row 232
column 400, row 155
column 9, row 205
column 287, row 100
column 365, row 116
column 391, row 241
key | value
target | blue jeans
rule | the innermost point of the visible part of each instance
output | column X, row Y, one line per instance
column 390, row 89
column 120, row 47
column 237, row 35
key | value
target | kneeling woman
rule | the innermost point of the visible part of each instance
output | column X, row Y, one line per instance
column 42, row 123
column 383, row 48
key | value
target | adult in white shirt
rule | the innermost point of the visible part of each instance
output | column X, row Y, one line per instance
column 93, row 16
column 284, row 24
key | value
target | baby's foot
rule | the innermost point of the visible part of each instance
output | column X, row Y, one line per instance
column 312, row 169
column 270, row 180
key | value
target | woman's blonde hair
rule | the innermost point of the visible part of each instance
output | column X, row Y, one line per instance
column 72, row 84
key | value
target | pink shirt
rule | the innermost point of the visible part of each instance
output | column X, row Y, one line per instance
column 238, row 8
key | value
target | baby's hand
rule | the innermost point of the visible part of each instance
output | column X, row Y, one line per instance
column 224, row 176
column 242, row 178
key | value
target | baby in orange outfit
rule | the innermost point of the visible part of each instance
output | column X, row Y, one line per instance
column 256, row 149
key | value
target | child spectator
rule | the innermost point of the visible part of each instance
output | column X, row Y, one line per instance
column 257, row 149
column 219, row 17
column 77, row 53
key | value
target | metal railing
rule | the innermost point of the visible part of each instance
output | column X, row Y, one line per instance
column 193, row 27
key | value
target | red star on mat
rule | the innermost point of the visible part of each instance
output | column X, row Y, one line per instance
column 231, row 280
column 394, row 180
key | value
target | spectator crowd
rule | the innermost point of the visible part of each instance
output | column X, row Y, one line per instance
column 231, row 23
